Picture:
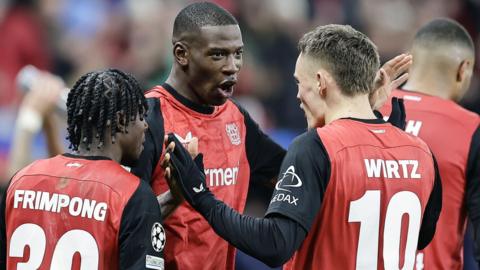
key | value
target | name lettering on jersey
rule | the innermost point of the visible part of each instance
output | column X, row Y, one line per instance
column 221, row 176
column 54, row 202
column 413, row 127
column 283, row 197
column 379, row 168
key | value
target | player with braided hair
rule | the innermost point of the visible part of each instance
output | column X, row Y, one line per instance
column 83, row 210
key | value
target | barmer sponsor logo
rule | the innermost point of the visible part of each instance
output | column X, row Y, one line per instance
column 221, row 176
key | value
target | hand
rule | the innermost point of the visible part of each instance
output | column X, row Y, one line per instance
column 385, row 80
column 188, row 173
column 45, row 91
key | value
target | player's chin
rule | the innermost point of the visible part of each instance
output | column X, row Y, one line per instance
column 218, row 101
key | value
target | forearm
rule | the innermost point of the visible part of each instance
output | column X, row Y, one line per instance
column 272, row 240
column 167, row 203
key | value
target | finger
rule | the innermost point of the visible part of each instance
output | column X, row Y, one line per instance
column 165, row 140
column 192, row 147
column 170, row 147
column 168, row 173
column 180, row 151
column 402, row 67
column 390, row 64
column 165, row 161
column 399, row 81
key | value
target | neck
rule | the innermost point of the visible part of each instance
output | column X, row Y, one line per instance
column 178, row 80
column 428, row 81
column 355, row 107
column 109, row 150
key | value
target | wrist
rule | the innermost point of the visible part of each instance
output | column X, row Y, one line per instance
column 205, row 202
column 29, row 120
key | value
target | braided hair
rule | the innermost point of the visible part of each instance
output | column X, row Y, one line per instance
column 93, row 104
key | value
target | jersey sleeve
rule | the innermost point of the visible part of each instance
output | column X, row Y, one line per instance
column 432, row 211
column 472, row 196
column 152, row 147
column 264, row 155
column 142, row 237
column 3, row 230
column 302, row 181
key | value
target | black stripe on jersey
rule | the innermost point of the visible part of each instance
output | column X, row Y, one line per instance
column 141, row 213
column 432, row 211
column 472, row 193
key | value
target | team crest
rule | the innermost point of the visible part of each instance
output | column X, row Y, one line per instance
column 158, row 237
column 233, row 133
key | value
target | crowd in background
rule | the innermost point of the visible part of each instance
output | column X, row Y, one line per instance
column 70, row 38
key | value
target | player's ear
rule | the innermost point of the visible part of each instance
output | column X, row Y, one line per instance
column 321, row 83
column 463, row 70
column 181, row 53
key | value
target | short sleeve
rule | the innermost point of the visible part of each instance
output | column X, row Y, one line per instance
column 142, row 236
column 302, row 180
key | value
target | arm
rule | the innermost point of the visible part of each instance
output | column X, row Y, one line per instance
column 35, row 110
column 3, row 231
column 52, row 136
column 141, row 218
column 432, row 211
column 274, row 238
column 472, row 195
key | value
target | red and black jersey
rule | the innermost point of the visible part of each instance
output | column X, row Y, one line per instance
column 80, row 212
column 453, row 135
column 235, row 151
column 366, row 192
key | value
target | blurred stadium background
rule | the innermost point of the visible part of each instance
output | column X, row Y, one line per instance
column 71, row 37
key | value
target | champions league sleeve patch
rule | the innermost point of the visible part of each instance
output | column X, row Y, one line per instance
column 158, row 237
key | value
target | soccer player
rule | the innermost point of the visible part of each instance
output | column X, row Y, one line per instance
column 84, row 210
column 195, row 102
column 443, row 63
column 357, row 193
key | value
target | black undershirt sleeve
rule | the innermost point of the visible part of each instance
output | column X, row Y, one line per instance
column 141, row 237
column 152, row 147
column 472, row 195
column 264, row 155
column 432, row 211
column 274, row 238
column 3, row 230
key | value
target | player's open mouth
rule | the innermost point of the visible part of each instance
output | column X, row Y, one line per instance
column 226, row 88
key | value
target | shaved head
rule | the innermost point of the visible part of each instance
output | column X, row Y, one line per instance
column 197, row 15
column 443, row 32
column 443, row 58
